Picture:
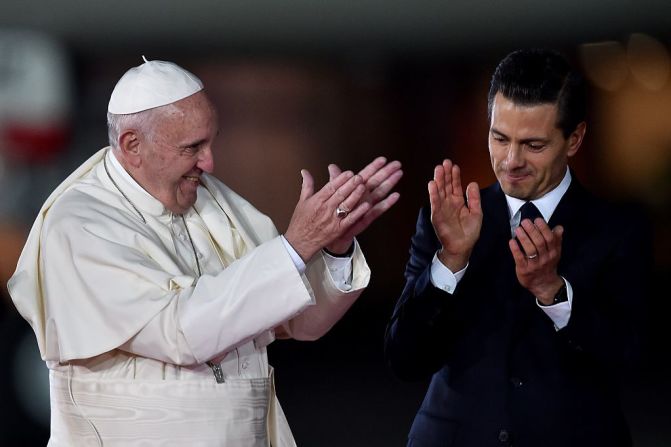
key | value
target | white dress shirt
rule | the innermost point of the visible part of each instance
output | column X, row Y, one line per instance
column 444, row 279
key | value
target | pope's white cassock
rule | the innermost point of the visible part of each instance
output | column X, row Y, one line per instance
column 154, row 326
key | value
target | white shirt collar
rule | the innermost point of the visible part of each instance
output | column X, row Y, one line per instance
column 545, row 204
column 123, row 173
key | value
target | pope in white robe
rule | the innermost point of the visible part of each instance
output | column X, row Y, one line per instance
column 154, row 323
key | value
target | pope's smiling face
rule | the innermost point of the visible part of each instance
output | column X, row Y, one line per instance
column 178, row 151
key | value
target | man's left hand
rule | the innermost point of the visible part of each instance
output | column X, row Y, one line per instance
column 379, row 177
column 536, row 262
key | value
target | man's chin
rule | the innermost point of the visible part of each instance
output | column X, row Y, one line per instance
column 516, row 191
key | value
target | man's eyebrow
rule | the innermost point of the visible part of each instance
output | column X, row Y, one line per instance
column 497, row 132
column 534, row 140
column 525, row 140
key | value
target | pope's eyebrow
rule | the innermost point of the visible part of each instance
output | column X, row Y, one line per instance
column 193, row 144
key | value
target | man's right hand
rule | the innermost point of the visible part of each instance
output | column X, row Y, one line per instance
column 314, row 223
column 456, row 221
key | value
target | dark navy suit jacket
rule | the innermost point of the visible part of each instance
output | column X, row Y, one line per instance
column 501, row 373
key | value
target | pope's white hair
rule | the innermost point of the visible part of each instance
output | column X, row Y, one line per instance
column 140, row 121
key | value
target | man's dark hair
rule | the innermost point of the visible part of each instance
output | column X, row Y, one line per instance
column 539, row 76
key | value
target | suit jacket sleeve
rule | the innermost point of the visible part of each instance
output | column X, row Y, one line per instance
column 610, row 278
column 423, row 323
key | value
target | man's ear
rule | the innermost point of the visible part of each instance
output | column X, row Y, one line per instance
column 129, row 143
column 575, row 139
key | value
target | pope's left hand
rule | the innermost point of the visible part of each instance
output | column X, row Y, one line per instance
column 536, row 262
column 379, row 177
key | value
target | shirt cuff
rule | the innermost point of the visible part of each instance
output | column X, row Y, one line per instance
column 340, row 268
column 560, row 313
column 443, row 278
column 298, row 262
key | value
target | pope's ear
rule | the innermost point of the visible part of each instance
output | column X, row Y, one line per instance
column 129, row 143
column 129, row 148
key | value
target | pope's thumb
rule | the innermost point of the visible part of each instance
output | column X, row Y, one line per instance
column 307, row 186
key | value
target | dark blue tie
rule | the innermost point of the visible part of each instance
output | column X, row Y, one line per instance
column 529, row 211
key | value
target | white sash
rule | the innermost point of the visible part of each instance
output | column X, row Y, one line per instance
column 88, row 410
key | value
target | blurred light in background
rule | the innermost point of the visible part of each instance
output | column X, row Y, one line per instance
column 649, row 61
column 633, row 111
column 605, row 64
column 35, row 96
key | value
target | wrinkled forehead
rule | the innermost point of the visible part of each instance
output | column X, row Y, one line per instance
column 196, row 107
column 189, row 118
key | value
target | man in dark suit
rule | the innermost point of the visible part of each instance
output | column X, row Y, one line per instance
column 523, row 301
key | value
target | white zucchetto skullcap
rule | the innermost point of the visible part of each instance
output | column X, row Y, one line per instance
column 152, row 84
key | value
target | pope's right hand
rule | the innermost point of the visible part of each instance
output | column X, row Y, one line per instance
column 456, row 221
column 314, row 223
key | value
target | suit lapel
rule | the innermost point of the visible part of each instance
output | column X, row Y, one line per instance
column 572, row 205
column 491, row 256
column 496, row 222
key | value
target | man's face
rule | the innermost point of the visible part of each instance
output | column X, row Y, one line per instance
column 528, row 151
column 180, row 150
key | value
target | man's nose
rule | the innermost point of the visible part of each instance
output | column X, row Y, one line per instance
column 515, row 158
column 206, row 160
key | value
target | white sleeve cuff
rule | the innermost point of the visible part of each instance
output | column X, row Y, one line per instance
column 340, row 269
column 443, row 278
column 298, row 262
column 560, row 313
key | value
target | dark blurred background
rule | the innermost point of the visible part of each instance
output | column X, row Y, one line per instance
column 300, row 84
